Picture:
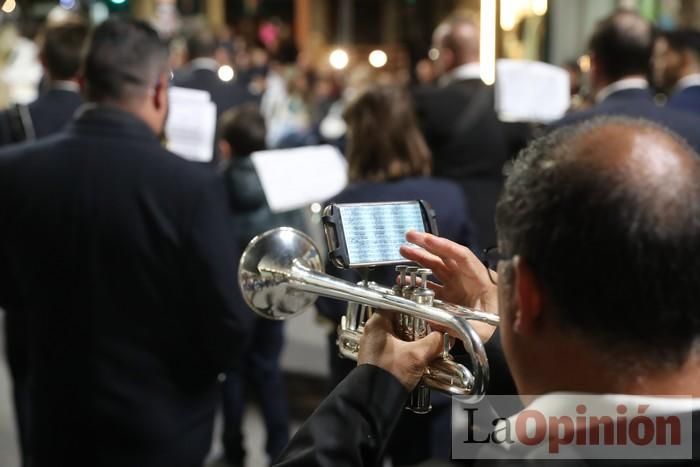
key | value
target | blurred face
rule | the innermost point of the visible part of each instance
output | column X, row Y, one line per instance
column 667, row 65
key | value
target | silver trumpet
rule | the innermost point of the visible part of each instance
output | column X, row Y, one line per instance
column 281, row 274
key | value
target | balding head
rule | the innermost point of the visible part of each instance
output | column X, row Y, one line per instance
column 607, row 217
column 457, row 40
column 621, row 47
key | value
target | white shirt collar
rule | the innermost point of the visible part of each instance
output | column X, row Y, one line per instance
column 204, row 63
column 462, row 72
column 687, row 81
column 62, row 85
column 621, row 85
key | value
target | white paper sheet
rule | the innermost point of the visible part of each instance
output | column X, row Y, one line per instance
column 191, row 125
column 294, row 178
column 528, row 91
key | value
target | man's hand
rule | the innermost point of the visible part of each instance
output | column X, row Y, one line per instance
column 464, row 278
column 407, row 361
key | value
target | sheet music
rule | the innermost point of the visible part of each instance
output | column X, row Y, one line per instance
column 294, row 178
column 191, row 125
column 528, row 91
column 374, row 233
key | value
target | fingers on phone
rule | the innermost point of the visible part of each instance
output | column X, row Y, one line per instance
column 444, row 248
column 426, row 259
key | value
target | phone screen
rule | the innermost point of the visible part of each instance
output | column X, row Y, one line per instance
column 375, row 232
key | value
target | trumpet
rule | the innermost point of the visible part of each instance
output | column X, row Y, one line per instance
column 281, row 274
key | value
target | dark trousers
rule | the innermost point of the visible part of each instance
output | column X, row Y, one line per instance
column 261, row 374
column 17, row 353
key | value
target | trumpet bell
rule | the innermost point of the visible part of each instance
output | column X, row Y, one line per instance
column 265, row 273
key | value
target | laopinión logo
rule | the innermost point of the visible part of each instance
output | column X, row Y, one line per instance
column 573, row 426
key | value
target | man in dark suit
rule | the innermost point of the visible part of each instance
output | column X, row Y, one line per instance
column 202, row 74
column 677, row 68
column 620, row 50
column 123, row 260
column 60, row 56
column 460, row 124
column 606, row 278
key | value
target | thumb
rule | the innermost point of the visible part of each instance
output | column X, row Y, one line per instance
column 429, row 348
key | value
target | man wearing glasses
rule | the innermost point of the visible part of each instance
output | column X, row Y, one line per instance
column 597, row 291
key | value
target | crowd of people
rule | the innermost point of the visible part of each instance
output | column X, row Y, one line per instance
column 125, row 327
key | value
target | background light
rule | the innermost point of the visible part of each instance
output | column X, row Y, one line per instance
column 339, row 59
column 487, row 48
column 539, row 7
column 433, row 54
column 378, row 58
column 226, row 73
column 9, row 6
column 584, row 63
column 67, row 4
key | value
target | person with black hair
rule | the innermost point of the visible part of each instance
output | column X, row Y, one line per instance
column 621, row 49
column 596, row 288
column 243, row 132
column 677, row 68
column 202, row 73
column 120, row 255
column 60, row 55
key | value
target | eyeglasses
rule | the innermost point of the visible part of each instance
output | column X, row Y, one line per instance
column 491, row 257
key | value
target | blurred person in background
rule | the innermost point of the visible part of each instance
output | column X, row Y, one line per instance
column 60, row 56
column 677, row 68
column 242, row 133
column 390, row 161
column 621, row 51
column 460, row 124
column 425, row 74
column 287, row 109
column 121, row 256
column 201, row 73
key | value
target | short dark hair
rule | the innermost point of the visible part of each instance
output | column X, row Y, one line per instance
column 62, row 49
column 384, row 141
column 201, row 44
column 683, row 39
column 615, row 251
column 622, row 44
column 243, row 128
column 125, row 58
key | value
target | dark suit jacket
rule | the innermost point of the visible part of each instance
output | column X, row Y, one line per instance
column 638, row 103
column 686, row 100
column 224, row 94
column 50, row 113
column 444, row 196
column 469, row 144
column 123, row 259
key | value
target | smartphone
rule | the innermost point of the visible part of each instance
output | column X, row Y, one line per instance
column 371, row 234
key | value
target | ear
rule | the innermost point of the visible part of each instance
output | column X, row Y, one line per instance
column 82, row 83
column 160, row 94
column 43, row 61
column 225, row 150
column 528, row 296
